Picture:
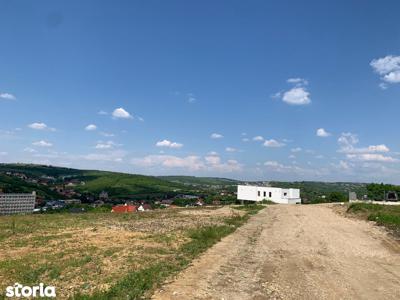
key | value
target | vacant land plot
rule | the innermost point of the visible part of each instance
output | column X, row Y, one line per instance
column 294, row 252
column 104, row 255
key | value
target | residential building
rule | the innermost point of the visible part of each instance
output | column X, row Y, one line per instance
column 260, row 193
column 11, row 203
column 124, row 208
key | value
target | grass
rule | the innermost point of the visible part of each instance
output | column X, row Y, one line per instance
column 384, row 215
column 138, row 284
column 105, row 255
column 251, row 209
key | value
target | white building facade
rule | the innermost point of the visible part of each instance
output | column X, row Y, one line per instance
column 260, row 193
column 17, row 203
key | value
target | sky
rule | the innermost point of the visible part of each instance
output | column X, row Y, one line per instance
column 251, row 90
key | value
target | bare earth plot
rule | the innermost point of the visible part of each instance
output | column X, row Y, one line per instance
column 92, row 252
column 295, row 252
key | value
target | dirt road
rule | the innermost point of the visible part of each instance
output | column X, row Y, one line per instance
column 295, row 252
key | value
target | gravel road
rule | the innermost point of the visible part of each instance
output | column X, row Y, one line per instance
column 295, row 252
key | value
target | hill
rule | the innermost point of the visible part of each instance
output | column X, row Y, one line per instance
column 125, row 185
column 29, row 177
column 201, row 181
column 122, row 185
column 11, row 184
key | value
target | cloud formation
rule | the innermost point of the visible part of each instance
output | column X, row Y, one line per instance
column 321, row 132
column 216, row 136
column 40, row 126
column 42, row 143
column 7, row 96
column 169, row 144
column 273, row 143
column 191, row 163
column 297, row 96
column 120, row 113
column 388, row 68
column 91, row 127
column 347, row 145
column 106, row 145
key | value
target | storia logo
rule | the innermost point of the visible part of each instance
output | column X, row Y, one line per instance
column 18, row 291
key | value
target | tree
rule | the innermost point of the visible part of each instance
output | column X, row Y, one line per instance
column 337, row 197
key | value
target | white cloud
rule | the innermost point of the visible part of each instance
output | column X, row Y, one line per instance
column 169, row 144
column 347, row 142
column 3, row 153
column 258, row 138
column 298, row 81
column 297, row 149
column 273, row 143
column 297, row 96
column 42, row 143
column 386, row 64
column 103, row 146
column 102, row 112
column 321, row 132
column 389, row 69
column 91, row 127
column 371, row 157
column 245, row 140
column 7, row 96
column 121, row 113
column 392, row 77
column 169, row 161
column 106, row 134
column 30, row 150
column 373, row 153
column 40, row 126
column 192, row 163
column 278, row 167
column 231, row 149
column 213, row 159
column 113, row 156
column 347, row 139
column 106, row 145
column 216, row 136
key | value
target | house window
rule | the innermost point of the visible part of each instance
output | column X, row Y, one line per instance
column 265, row 193
column 258, row 193
column 270, row 194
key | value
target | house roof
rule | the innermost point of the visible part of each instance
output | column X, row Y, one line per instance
column 124, row 208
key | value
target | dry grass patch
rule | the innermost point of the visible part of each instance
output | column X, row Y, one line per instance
column 90, row 253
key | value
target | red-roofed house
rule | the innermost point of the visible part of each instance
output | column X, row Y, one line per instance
column 124, row 208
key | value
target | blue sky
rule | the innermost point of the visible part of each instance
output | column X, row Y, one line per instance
column 243, row 89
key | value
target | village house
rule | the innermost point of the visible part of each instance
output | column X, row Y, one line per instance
column 124, row 208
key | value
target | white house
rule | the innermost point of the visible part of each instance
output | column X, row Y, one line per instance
column 277, row 195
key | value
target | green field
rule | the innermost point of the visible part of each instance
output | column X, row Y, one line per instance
column 385, row 215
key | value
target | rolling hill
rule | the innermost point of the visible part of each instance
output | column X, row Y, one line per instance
column 116, row 184
column 123, row 185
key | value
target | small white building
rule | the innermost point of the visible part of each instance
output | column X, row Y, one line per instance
column 260, row 193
